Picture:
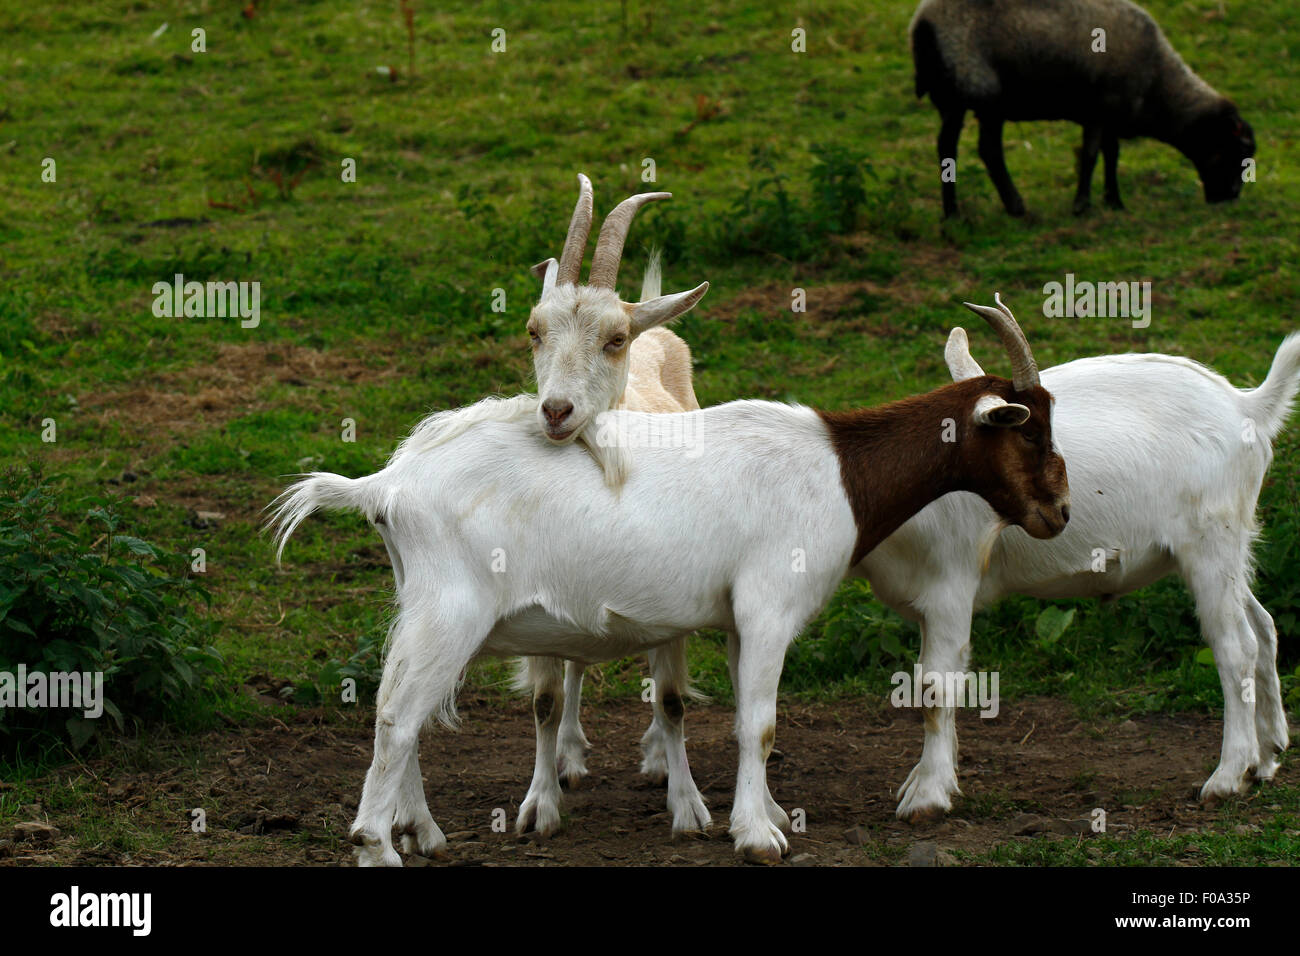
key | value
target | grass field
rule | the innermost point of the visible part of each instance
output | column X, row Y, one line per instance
column 377, row 295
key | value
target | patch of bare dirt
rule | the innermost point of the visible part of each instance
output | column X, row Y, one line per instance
column 228, row 386
column 285, row 792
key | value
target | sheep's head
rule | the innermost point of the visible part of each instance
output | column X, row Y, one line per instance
column 1219, row 144
column 1012, row 441
column 581, row 334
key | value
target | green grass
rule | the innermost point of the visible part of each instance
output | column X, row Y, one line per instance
column 465, row 177
column 1228, row 841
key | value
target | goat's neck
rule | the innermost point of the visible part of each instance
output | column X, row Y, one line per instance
column 894, row 462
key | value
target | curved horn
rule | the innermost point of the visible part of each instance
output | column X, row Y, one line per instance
column 1024, row 371
column 575, row 243
column 613, row 233
column 957, row 354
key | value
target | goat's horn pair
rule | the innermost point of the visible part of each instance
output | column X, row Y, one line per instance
column 1024, row 371
column 609, row 244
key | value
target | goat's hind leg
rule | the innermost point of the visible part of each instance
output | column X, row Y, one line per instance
column 420, row 834
column 1226, row 627
column 666, row 740
column 572, row 744
column 1271, row 727
column 541, row 807
column 428, row 652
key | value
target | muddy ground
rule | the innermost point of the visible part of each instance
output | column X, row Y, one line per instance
column 284, row 793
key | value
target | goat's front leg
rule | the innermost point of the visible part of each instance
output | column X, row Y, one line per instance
column 541, row 807
column 994, row 161
column 1087, row 163
column 1110, row 159
column 763, row 643
column 664, row 744
column 572, row 744
column 927, row 792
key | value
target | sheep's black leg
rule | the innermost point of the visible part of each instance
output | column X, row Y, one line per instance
column 1087, row 163
column 1110, row 154
column 949, row 134
column 991, row 153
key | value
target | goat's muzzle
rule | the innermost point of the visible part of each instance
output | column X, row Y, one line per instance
column 556, row 412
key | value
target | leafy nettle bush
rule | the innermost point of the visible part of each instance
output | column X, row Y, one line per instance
column 86, row 599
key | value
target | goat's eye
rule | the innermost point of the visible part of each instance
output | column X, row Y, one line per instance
column 616, row 343
column 534, row 337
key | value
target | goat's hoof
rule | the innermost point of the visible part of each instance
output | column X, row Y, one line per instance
column 1016, row 208
column 1222, row 787
column 570, row 771
column 923, row 815
column 541, row 816
column 1081, row 207
column 690, row 817
column 763, row 855
column 369, row 850
column 431, row 846
column 1113, row 202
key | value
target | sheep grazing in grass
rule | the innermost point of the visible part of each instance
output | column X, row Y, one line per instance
column 1103, row 64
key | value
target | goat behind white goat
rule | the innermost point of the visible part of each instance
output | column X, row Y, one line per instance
column 1166, row 461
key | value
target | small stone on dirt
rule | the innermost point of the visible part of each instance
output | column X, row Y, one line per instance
column 923, row 854
column 1072, row 827
column 803, row 859
column 1027, row 824
column 1128, row 727
column 35, row 831
column 857, row 836
column 461, row 835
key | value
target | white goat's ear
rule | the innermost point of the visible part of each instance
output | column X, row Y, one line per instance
column 664, row 308
column 546, row 270
column 957, row 354
column 991, row 410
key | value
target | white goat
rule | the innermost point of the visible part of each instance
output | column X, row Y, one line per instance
column 1166, row 462
column 593, row 353
column 748, row 527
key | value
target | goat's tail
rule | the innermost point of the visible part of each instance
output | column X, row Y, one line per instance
column 318, row 491
column 1270, row 404
column 654, row 275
